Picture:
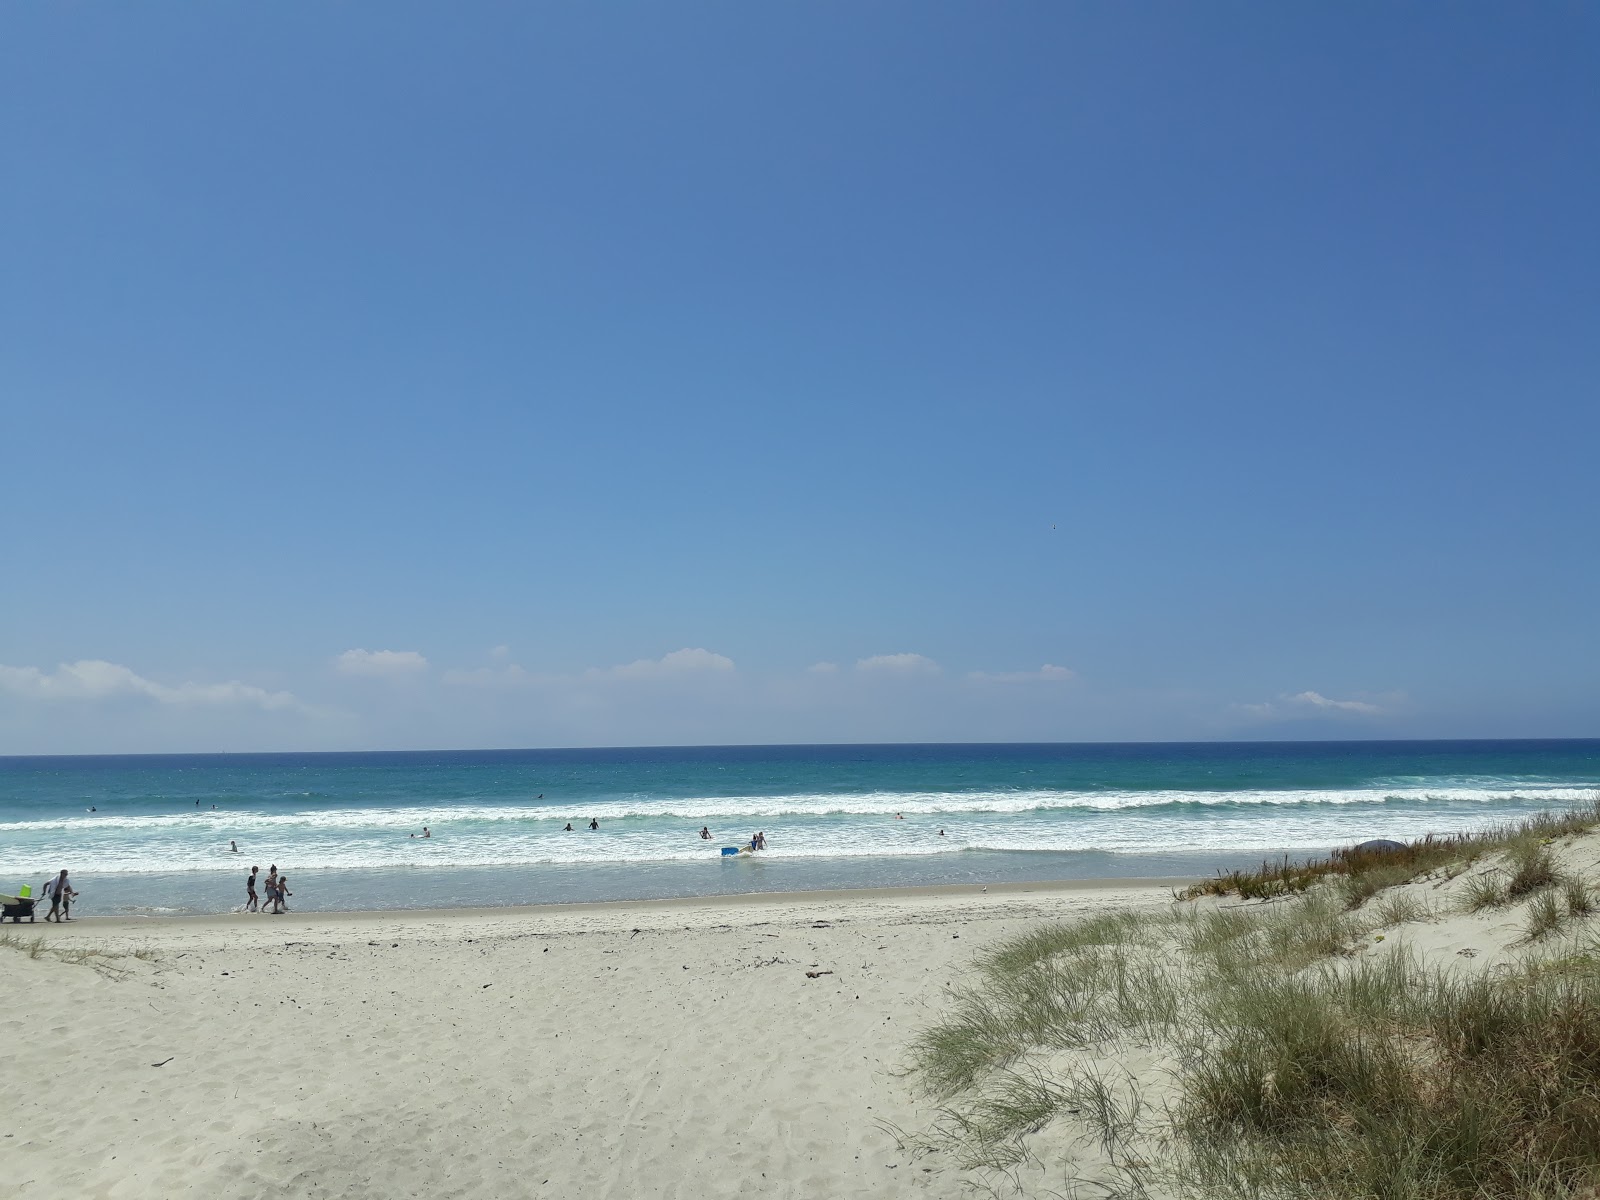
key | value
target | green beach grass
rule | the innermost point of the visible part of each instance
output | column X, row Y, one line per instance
column 1236, row 1045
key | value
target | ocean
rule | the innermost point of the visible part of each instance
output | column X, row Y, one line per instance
column 150, row 834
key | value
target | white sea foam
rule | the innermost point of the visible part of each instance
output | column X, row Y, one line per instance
column 653, row 829
column 461, row 847
column 865, row 804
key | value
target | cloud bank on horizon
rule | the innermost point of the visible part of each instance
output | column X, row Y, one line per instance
column 393, row 699
column 93, row 680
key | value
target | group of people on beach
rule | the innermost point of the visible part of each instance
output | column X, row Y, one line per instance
column 277, row 889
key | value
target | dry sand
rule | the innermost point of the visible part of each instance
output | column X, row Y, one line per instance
column 673, row 1049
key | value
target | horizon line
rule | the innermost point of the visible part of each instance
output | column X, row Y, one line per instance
column 791, row 746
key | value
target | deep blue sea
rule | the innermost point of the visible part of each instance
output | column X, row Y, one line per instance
column 151, row 834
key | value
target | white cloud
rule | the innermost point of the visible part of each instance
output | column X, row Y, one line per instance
column 823, row 668
column 1048, row 673
column 381, row 664
column 1316, row 700
column 96, row 679
column 1305, row 704
column 679, row 662
column 500, row 653
column 903, row 664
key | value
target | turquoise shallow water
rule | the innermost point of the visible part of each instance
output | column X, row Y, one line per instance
column 341, row 824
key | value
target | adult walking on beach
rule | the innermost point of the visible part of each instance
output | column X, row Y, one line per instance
column 61, row 894
column 252, row 902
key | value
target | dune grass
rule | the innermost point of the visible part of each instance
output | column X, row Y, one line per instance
column 106, row 962
column 1533, row 869
column 1485, row 891
column 1578, row 896
column 1293, row 1069
column 1390, row 1081
column 1399, row 908
column 1544, row 917
column 33, row 946
column 1362, row 873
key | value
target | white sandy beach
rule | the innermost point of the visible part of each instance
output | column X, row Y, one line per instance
column 673, row 1048
column 684, row 1048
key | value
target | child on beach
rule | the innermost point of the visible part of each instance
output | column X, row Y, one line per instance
column 251, row 903
column 282, row 894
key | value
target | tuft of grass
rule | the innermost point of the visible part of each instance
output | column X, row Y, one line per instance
column 1017, row 1105
column 1545, row 916
column 103, row 961
column 1398, row 908
column 1287, row 934
column 1580, row 900
column 1218, row 930
column 1109, row 929
column 971, row 1041
column 33, row 947
column 1360, row 887
column 1533, row 868
column 1267, row 882
column 1485, row 891
column 1113, row 1107
column 1311, row 929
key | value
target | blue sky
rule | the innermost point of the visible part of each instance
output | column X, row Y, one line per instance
column 594, row 373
